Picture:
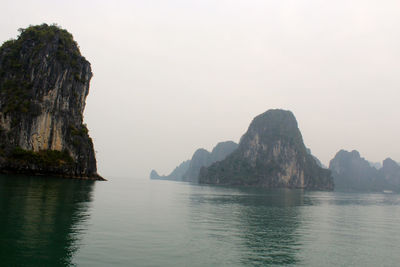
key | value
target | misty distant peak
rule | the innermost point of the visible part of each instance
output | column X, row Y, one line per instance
column 189, row 170
column 351, row 172
column 200, row 152
column 388, row 162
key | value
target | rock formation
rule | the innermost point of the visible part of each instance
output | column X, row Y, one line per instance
column 44, row 82
column 188, row 171
column 203, row 158
column 176, row 174
column 351, row 172
column 270, row 154
column 390, row 172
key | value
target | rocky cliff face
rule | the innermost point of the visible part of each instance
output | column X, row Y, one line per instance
column 270, row 154
column 351, row 172
column 44, row 82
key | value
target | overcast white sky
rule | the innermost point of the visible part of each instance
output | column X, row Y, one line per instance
column 174, row 76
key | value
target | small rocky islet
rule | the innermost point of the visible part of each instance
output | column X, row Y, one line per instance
column 44, row 82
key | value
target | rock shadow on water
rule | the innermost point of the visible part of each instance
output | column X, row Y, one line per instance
column 261, row 223
column 42, row 219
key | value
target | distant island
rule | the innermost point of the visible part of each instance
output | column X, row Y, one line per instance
column 44, row 82
column 351, row 172
column 188, row 170
column 271, row 154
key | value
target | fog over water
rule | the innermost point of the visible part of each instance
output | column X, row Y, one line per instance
column 174, row 76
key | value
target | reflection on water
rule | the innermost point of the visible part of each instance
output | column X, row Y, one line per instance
column 269, row 223
column 41, row 219
column 261, row 224
column 46, row 222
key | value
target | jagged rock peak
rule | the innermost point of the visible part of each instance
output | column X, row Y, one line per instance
column 344, row 160
column 351, row 172
column 389, row 163
column 390, row 171
column 221, row 146
column 352, row 154
column 188, row 170
column 203, row 158
column 44, row 82
column 270, row 154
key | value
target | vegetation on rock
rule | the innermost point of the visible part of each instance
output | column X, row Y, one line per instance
column 44, row 82
column 43, row 158
column 16, row 83
column 270, row 154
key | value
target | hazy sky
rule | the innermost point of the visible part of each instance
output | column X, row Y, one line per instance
column 174, row 76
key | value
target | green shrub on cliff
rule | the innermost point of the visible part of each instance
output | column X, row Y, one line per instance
column 82, row 131
column 27, row 52
column 44, row 158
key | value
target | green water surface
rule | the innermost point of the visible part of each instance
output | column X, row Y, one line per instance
column 47, row 221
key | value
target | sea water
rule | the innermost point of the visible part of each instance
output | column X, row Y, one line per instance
column 48, row 221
